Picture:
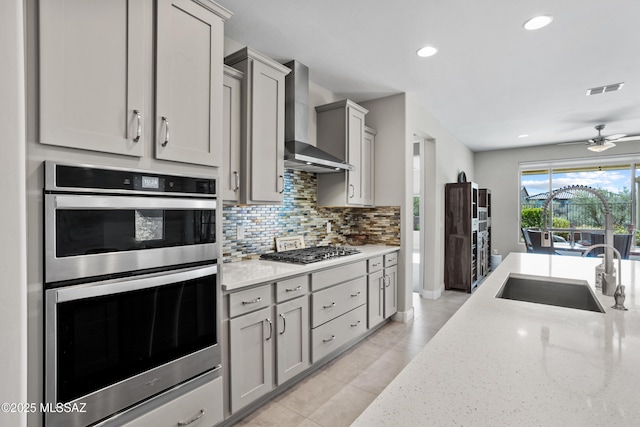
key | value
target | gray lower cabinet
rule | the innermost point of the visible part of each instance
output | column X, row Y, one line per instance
column 292, row 339
column 251, row 344
column 269, row 346
column 382, row 288
column 277, row 330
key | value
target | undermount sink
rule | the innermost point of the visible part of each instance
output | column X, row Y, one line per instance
column 545, row 290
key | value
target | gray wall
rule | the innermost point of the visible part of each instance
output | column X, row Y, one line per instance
column 13, row 294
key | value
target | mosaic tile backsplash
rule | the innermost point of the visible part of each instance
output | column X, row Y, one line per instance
column 300, row 215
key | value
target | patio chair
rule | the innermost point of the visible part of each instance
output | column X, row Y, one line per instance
column 622, row 242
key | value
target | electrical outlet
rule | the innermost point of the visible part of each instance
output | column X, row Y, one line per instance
column 240, row 232
column 328, row 226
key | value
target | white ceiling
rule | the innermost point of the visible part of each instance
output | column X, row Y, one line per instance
column 490, row 81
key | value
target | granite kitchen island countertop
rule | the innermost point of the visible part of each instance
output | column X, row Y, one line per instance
column 238, row 275
column 503, row 362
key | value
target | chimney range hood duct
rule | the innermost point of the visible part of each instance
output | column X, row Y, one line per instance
column 299, row 154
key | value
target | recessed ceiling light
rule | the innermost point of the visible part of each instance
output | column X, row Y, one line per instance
column 524, row 135
column 538, row 22
column 427, row 51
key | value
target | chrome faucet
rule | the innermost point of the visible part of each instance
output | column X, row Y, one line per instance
column 609, row 286
column 608, row 222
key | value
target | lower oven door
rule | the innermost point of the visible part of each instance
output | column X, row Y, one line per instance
column 112, row 344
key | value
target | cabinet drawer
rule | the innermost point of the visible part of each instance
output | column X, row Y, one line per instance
column 391, row 259
column 332, row 276
column 292, row 288
column 331, row 303
column 202, row 406
column 375, row 264
column 250, row 300
column 332, row 335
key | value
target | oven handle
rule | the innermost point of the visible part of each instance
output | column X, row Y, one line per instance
column 110, row 287
column 63, row 201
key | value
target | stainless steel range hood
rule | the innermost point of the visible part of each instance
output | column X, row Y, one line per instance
column 299, row 154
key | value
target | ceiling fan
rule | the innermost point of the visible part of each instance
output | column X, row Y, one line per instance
column 601, row 143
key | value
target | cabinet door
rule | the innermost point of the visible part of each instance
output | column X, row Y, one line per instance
column 266, row 159
column 231, row 100
column 93, row 74
column 390, row 291
column 251, row 357
column 189, row 83
column 355, row 129
column 375, row 298
column 367, row 166
column 292, row 338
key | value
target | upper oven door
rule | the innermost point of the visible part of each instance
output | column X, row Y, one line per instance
column 95, row 235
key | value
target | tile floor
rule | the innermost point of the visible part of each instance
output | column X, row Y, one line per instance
column 337, row 393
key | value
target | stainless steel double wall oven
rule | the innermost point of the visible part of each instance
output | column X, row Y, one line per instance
column 131, row 288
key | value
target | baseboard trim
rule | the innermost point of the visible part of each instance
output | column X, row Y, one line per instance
column 431, row 294
column 404, row 316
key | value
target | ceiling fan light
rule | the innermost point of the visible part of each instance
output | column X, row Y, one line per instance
column 537, row 22
column 598, row 148
column 427, row 51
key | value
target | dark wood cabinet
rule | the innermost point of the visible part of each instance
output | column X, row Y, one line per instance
column 467, row 246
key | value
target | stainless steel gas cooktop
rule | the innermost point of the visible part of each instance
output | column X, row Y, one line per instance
column 309, row 255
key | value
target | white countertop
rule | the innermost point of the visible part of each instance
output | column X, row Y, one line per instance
column 504, row 362
column 237, row 275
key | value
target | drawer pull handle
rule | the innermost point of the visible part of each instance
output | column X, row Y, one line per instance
column 166, row 132
column 284, row 323
column 253, row 301
column 237, row 179
column 356, row 295
column 139, row 126
column 192, row 420
column 356, row 324
column 375, row 265
column 270, row 329
column 333, row 304
column 387, row 284
column 294, row 289
column 333, row 337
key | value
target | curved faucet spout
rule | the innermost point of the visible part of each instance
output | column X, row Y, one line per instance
column 608, row 222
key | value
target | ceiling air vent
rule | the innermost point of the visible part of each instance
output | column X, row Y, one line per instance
column 602, row 89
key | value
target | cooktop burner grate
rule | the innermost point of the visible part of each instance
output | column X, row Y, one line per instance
column 309, row 255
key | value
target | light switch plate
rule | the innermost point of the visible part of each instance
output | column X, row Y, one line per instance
column 546, row 239
column 289, row 242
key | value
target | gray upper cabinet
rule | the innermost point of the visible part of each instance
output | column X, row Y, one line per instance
column 231, row 131
column 92, row 75
column 341, row 131
column 262, row 146
column 190, row 49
